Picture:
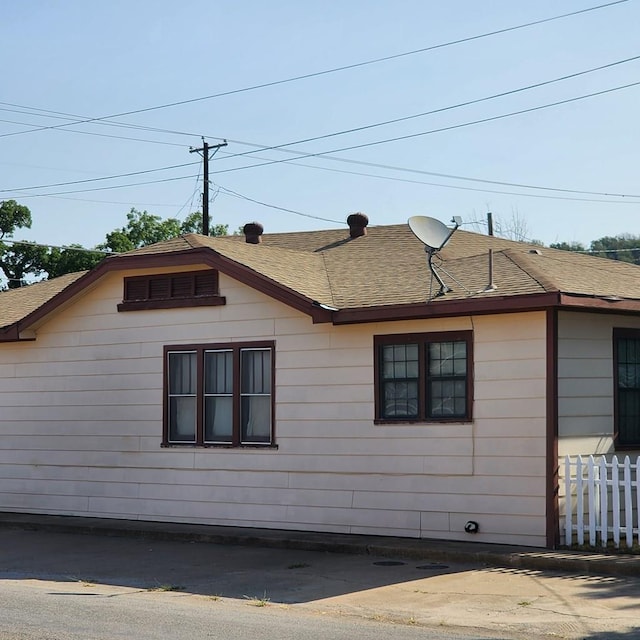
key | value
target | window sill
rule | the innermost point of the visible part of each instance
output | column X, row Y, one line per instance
column 380, row 421
column 191, row 445
column 173, row 303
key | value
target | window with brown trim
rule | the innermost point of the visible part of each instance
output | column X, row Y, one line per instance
column 626, row 359
column 219, row 394
column 424, row 377
column 167, row 290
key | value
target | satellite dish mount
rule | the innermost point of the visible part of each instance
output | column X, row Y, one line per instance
column 434, row 235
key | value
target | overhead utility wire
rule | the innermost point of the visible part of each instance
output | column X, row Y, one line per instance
column 434, row 111
column 120, row 175
column 53, row 246
column 117, row 186
column 328, row 135
column 329, row 71
column 235, row 194
column 326, row 154
column 104, row 135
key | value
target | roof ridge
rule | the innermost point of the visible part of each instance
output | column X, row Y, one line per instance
column 525, row 264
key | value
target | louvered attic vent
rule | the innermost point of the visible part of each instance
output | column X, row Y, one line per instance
column 169, row 290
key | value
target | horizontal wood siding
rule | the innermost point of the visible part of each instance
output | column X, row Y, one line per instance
column 585, row 387
column 81, row 426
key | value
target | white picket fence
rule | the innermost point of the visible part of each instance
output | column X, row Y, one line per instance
column 603, row 497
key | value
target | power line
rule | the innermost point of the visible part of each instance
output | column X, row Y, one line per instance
column 117, row 186
column 53, row 246
column 326, row 71
column 441, row 109
column 107, row 135
column 273, row 206
column 326, row 154
column 120, row 175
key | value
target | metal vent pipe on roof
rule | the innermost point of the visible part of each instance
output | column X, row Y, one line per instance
column 253, row 232
column 357, row 224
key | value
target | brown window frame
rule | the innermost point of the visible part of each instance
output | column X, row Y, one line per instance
column 621, row 442
column 200, row 349
column 422, row 340
column 171, row 290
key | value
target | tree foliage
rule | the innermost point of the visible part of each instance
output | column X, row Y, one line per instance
column 144, row 228
column 22, row 261
column 625, row 247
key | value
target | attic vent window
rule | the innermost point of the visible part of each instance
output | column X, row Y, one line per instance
column 170, row 290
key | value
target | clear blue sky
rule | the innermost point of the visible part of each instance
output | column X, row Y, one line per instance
column 96, row 59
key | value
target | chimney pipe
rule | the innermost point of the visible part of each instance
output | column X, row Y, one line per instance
column 253, row 232
column 357, row 224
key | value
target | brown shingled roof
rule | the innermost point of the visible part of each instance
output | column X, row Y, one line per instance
column 384, row 269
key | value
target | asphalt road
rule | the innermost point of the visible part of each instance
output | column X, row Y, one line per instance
column 83, row 587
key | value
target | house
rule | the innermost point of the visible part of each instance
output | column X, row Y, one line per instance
column 314, row 381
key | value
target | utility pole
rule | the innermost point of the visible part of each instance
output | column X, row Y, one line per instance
column 204, row 151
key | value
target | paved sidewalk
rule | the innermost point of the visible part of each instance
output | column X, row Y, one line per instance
column 493, row 555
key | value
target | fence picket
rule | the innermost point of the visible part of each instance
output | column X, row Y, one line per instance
column 638, row 496
column 604, row 502
column 568, row 511
column 579, row 500
column 615, row 500
column 605, row 497
column 628, row 504
column 591, row 481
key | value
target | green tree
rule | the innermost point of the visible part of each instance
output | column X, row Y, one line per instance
column 193, row 224
column 568, row 246
column 142, row 228
column 70, row 259
column 19, row 260
column 625, row 248
column 13, row 216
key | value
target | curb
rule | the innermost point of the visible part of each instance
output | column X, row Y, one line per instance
column 575, row 562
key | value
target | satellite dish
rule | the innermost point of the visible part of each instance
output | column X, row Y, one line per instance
column 434, row 235
column 431, row 232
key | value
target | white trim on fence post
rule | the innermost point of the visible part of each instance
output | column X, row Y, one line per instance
column 628, row 503
column 579, row 500
column 592, row 502
column 615, row 500
column 604, row 506
column 568, row 508
column 638, row 495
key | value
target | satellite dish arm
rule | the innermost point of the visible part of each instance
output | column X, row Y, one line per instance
column 443, row 287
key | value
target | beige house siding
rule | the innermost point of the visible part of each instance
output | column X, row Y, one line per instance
column 81, row 423
column 585, row 381
column 585, row 388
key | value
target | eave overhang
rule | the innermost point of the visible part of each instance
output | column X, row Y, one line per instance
column 201, row 255
column 319, row 312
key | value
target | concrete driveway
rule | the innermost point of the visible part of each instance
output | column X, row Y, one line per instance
column 507, row 602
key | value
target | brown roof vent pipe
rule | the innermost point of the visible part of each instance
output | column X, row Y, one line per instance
column 357, row 224
column 253, row 232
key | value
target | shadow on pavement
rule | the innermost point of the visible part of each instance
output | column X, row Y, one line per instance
column 279, row 575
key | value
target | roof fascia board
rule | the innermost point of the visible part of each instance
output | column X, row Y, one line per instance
column 440, row 309
column 203, row 255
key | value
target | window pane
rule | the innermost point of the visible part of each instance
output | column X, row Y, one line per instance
column 182, row 373
column 400, row 361
column 182, row 419
column 218, row 372
column 628, row 392
column 255, row 366
column 255, row 419
column 447, row 398
column 400, row 400
column 447, row 358
column 218, row 419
